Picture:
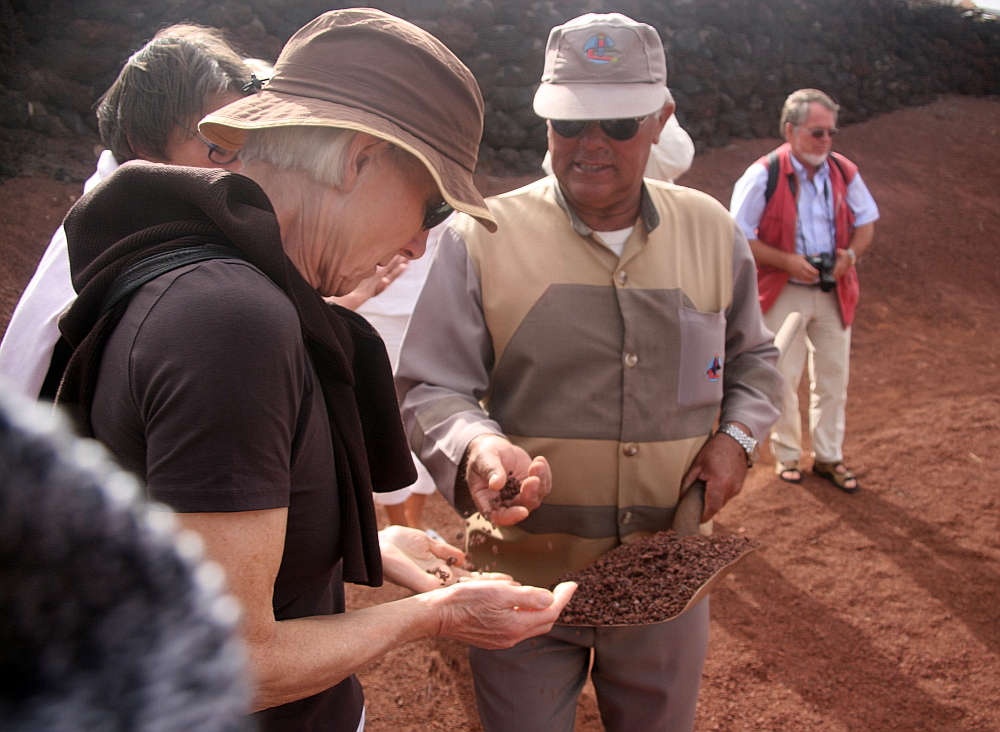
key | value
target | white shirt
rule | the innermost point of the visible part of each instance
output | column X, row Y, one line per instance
column 816, row 233
column 615, row 240
column 33, row 331
column 389, row 311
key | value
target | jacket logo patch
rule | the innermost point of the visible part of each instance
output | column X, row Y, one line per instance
column 714, row 369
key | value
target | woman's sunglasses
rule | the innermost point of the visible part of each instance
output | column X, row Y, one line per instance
column 435, row 215
column 616, row 129
column 218, row 155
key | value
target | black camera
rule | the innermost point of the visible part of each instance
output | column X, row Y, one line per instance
column 824, row 263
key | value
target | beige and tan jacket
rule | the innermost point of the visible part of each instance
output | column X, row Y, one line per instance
column 615, row 369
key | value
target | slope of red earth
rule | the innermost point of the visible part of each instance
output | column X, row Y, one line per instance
column 870, row 612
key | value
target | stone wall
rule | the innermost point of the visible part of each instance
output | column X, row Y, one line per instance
column 730, row 62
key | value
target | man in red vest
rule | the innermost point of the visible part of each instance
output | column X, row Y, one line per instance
column 809, row 218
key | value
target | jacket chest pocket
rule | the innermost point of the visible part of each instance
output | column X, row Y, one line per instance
column 702, row 358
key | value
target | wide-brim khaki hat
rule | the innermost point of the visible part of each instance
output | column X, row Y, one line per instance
column 366, row 70
column 602, row 66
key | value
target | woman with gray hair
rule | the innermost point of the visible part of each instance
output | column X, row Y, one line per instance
column 148, row 113
column 209, row 363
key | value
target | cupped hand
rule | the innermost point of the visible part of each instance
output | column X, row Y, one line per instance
column 496, row 615
column 491, row 459
column 412, row 559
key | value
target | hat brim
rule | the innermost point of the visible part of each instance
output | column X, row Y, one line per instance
column 599, row 101
column 227, row 127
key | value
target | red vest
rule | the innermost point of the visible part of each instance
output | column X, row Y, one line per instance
column 778, row 226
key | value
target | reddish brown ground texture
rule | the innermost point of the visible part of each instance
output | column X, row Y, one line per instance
column 870, row 612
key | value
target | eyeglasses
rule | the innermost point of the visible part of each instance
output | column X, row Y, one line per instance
column 434, row 215
column 616, row 129
column 218, row 155
column 820, row 132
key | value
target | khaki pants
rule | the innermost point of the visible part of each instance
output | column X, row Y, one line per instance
column 827, row 347
column 646, row 677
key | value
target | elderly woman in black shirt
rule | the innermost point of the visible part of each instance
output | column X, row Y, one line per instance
column 209, row 363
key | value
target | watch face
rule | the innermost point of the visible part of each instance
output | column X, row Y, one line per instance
column 754, row 453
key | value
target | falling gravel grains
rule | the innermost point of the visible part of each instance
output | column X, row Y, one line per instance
column 649, row 580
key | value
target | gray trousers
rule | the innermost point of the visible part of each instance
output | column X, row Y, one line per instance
column 646, row 677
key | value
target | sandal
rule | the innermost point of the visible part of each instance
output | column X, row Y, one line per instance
column 832, row 472
column 784, row 470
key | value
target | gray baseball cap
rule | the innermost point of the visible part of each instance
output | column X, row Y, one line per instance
column 602, row 66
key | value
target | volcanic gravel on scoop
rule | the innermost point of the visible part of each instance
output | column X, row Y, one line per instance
column 648, row 580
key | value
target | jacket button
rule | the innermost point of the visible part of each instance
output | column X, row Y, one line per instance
column 626, row 518
column 630, row 449
column 631, row 360
column 622, row 277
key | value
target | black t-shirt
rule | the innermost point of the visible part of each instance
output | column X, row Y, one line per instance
column 206, row 391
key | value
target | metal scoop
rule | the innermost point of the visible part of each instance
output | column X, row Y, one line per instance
column 687, row 518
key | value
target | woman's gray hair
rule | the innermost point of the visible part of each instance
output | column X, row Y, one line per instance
column 166, row 83
column 318, row 152
column 796, row 108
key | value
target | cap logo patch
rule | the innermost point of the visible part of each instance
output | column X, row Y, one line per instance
column 601, row 50
column 714, row 369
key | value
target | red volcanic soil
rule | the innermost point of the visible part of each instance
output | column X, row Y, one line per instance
column 869, row 612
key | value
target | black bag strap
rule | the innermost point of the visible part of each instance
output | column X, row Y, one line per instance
column 134, row 277
column 773, row 168
column 147, row 270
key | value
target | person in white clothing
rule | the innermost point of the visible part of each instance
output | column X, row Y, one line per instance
column 151, row 112
column 32, row 333
column 386, row 301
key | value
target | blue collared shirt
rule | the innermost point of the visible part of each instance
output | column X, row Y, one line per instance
column 816, row 232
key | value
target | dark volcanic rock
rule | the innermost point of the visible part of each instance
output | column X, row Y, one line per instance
column 731, row 63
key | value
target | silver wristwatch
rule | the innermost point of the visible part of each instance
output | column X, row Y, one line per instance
column 749, row 444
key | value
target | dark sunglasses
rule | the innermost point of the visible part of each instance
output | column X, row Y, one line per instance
column 820, row 132
column 218, row 155
column 616, row 129
column 436, row 214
